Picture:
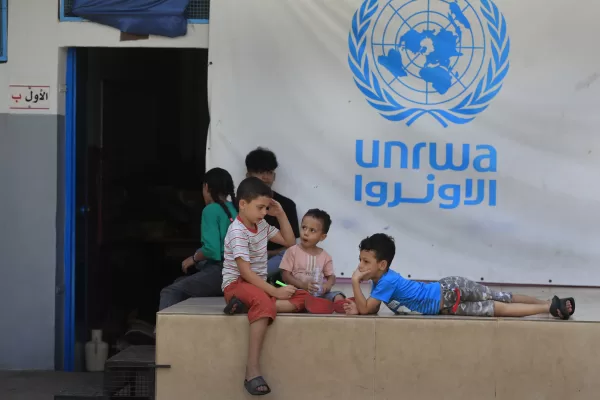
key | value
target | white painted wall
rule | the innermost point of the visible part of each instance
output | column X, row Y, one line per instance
column 37, row 44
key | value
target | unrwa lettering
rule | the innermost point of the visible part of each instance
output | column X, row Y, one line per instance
column 484, row 160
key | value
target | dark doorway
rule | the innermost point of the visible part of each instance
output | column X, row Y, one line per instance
column 142, row 122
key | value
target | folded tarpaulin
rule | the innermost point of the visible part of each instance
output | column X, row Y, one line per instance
column 139, row 17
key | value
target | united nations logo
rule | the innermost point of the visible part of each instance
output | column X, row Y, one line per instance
column 442, row 58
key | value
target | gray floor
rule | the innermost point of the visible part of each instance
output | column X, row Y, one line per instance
column 43, row 385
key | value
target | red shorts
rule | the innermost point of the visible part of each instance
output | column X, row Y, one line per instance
column 259, row 303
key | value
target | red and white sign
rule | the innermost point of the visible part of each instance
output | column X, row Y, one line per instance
column 25, row 97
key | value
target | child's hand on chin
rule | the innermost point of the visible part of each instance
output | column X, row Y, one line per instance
column 350, row 307
column 358, row 276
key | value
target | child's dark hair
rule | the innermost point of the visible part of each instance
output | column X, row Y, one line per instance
column 382, row 245
column 253, row 188
column 220, row 184
column 321, row 216
column 261, row 160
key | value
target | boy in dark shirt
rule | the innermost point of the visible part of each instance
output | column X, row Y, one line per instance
column 262, row 163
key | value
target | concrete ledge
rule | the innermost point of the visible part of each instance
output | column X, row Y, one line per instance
column 377, row 357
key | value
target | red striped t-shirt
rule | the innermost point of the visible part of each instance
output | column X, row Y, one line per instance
column 250, row 246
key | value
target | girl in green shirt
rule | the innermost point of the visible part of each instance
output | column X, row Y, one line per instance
column 218, row 214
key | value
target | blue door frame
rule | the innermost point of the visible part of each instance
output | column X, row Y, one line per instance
column 69, row 227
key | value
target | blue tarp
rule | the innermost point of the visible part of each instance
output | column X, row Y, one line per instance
column 139, row 17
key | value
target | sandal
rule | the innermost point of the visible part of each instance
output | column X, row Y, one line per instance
column 253, row 384
column 561, row 305
column 235, row 306
column 572, row 300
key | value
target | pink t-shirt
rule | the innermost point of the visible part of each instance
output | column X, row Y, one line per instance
column 301, row 264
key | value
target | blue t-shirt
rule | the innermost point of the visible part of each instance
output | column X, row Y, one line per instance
column 395, row 291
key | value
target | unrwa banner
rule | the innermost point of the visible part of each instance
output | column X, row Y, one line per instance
column 464, row 129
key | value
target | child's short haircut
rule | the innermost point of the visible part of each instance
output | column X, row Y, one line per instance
column 382, row 245
column 253, row 188
column 261, row 160
column 321, row 216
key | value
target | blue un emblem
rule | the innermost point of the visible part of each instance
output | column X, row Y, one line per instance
column 443, row 58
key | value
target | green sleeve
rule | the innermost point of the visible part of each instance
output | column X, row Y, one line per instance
column 211, row 237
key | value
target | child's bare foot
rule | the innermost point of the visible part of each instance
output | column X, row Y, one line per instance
column 350, row 308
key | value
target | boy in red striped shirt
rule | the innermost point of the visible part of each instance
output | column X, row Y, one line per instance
column 245, row 271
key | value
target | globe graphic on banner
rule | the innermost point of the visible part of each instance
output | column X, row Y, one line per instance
column 430, row 51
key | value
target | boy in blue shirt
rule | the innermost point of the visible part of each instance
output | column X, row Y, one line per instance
column 451, row 296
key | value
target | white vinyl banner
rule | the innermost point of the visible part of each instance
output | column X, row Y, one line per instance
column 466, row 129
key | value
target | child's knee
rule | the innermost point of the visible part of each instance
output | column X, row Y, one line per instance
column 165, row 291
column 264, row 302
column 262, row 308
column 168, row 291
column 503, row 297
column 339, row 297
column 298, row 300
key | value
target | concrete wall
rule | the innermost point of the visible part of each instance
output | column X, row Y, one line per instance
column 383, row 357
column 31, row 176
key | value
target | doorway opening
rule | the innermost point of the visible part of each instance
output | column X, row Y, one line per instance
column 141, row 128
